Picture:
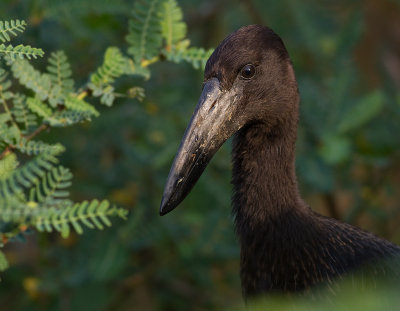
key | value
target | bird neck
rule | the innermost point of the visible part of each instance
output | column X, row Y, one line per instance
column 264, row 178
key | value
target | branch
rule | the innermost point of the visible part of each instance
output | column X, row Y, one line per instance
column 10, row 148
column 37, row 131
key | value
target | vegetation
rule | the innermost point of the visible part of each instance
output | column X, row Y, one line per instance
column 34, row 194
column 73, row 79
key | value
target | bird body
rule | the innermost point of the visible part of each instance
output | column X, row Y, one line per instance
column 285, row 246
column 250, row 91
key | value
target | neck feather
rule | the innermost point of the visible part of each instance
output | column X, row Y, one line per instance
column 264, row 178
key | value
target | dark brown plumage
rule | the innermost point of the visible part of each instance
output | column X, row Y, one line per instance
column 250, row 91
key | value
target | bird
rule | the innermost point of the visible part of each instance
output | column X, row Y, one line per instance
column 250, row 92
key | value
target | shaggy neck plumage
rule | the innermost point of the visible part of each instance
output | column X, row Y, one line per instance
column 263, row 177
column 269, row 212
column 285, row 246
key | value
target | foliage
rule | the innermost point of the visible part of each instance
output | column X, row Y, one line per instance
column 173, row 29
column 144, row 35
column 33, row 193
column 347, row 157
column 12, row 27
column 114, row 66
column 156, row 21
column 382, row 297
column 60, row 72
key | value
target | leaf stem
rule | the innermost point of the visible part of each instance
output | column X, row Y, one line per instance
column 40, row 129
column 7, row 110
column 10, row 148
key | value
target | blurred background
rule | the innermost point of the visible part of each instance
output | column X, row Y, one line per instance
column 346, row 56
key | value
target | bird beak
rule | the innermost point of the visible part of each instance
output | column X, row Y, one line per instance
column 211, row 125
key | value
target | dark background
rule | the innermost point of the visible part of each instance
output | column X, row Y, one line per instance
column 346, row 56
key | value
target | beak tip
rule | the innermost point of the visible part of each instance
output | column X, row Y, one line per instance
column 165, row 210
column 165, row 207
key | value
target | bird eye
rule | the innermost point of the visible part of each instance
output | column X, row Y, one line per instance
column 248, row 71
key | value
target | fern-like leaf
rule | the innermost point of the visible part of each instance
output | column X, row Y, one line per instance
column 21, row 51
column 196, row 56
column 172, row 27
column 52, row 187
column 35, row 147
column 92, row 215
column 29, row 174
column 114, row 65
column 5, row 94
column 75, row 103
column 39, row 107
column 22, row 115
column 9, row 134
column 69, row 117
column 144, row 37
column 31, row 78
column 60, row 215
column 11, row 27
column 60, row 72
column 5, row 83
column 7, row 165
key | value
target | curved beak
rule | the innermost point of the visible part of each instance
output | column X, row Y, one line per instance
column 212, row 123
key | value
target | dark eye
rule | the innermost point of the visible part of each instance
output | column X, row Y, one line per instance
column 248, row 71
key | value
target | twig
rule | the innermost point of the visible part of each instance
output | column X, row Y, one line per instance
column 10, row 148
column 37, row 131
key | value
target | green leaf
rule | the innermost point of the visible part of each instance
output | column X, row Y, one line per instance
column 60, row 72
column 22, row 115
column 77, row 215
column 28, row 175
column 11, row 135
column 21, row 51
column 7, row 165
column 173, row 29
column 65, row 230
column 144, row 37
column 35, row 147
column 72, row 102
column 365, row 110
column 196, row 56
column 48, row 218
column 50, row 187
column 11, row 27
column 114, row 66
column 31, row 78
column 38, row 107
column 5, row 84
column 69, row 117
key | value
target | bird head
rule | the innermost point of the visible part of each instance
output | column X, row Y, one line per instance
column 248, row 79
